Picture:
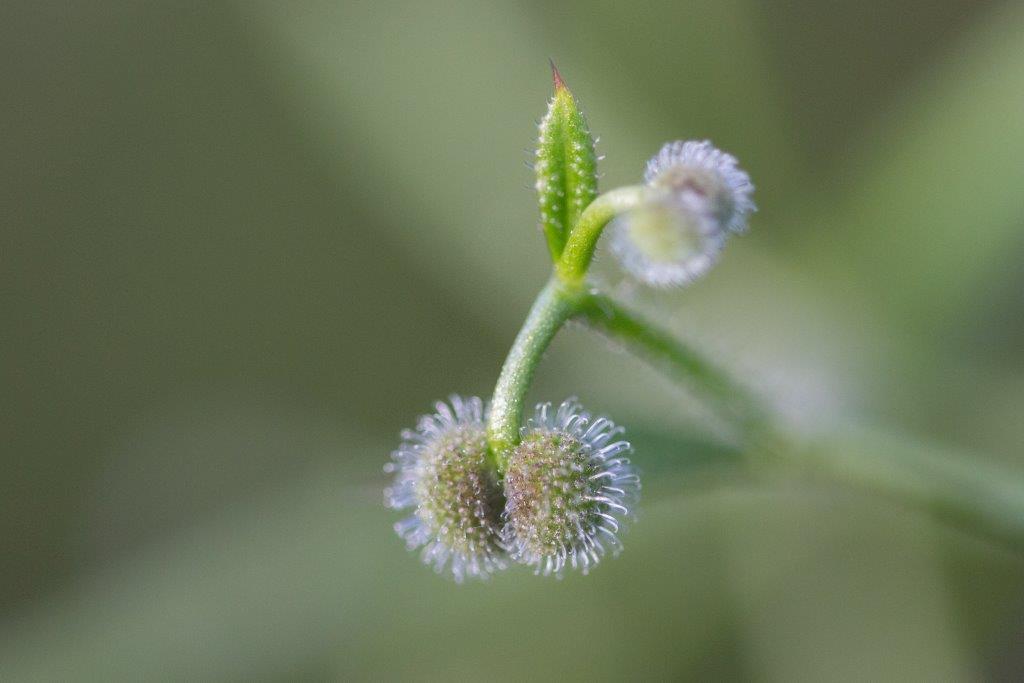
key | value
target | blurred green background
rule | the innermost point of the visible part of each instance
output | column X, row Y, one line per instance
column 244, row 244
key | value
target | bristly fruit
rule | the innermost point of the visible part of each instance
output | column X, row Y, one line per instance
column 565, row 166
column 702, row 172
column 569, row 488
column 699, row 197
column 444, row 475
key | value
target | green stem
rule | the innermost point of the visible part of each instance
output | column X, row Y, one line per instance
column 554, row 305
column 953, row 488
column 957, row 489
column 579, row 248
column 663, row 350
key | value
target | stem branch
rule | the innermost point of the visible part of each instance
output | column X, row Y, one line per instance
column 957, row 490
column 579, row 248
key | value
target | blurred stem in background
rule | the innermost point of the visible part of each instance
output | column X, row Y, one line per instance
column 975, row 497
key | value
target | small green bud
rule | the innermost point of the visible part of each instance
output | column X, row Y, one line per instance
column 565, row 166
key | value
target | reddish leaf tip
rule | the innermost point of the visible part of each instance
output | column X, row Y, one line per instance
column 557, row 77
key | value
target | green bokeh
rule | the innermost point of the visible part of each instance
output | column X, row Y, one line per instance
column 244, row 244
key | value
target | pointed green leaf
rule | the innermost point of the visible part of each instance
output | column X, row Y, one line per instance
column 566, row 166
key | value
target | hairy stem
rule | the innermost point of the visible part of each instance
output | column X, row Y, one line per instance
column 732, row 401
column 555, row 304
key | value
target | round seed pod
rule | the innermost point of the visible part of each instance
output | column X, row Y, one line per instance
column 568, row 488
column 443, row 474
